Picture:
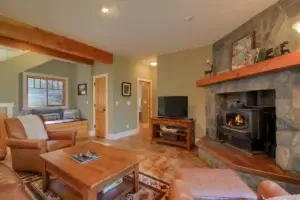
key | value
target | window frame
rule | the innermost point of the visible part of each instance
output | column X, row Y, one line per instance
column 27, row 76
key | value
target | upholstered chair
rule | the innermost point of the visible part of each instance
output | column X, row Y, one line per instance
column 28, row 137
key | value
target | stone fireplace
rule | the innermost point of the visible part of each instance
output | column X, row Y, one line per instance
column 283, row 92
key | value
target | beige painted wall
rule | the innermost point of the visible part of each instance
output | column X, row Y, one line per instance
column 10, row 76
column 177, row 75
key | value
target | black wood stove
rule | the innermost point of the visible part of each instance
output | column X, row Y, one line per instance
column 249, row 128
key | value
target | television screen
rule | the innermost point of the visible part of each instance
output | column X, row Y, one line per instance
column 173, row 106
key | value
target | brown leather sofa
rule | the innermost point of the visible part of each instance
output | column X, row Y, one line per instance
column 270, row 189
column 11, row 187
column 26, row 152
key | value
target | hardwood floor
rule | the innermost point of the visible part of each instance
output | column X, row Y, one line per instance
column 157, row 160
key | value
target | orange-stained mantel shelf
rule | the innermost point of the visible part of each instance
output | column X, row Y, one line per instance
column 272, row 65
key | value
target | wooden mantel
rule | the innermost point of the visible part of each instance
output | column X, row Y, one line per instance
column 41, row 41
column 272, row 65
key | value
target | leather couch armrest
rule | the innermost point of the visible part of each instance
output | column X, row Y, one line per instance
column 26, row 144
column 63, row 135
column 270, row 189
column 179, row 190
column 2, row 154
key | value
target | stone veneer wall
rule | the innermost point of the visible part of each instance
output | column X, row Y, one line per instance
column 287, row 88
column 250, row 179
column 272, row 27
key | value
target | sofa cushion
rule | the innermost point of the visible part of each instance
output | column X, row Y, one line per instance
column 215, row 183
column 53, row 145
column 51, row 117
column 44, row 111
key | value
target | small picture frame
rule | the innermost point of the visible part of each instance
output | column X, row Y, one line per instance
column 126, row 89
column 82, row 89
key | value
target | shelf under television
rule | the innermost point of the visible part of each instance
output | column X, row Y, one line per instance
column 172, row 133
column 178, row 142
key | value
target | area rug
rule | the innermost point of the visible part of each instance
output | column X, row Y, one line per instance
column 151, row 188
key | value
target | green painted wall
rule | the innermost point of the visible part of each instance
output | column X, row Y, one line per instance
column 63, row 69
column 123, row 70
column 10, row 71
column 85, row 102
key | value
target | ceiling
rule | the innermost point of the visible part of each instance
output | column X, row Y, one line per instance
column 137, row 28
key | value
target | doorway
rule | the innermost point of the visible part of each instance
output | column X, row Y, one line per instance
column 144, row 103
column 100, row 105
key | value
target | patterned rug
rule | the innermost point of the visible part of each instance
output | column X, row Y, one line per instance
column 151, row 188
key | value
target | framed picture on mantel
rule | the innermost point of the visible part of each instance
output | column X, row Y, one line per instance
column 240, row 48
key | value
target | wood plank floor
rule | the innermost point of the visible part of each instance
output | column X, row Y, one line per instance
column 157, row 160
column 254, row 164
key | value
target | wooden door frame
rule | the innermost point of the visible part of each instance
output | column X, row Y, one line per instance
column 106, row 102
column 151, row 101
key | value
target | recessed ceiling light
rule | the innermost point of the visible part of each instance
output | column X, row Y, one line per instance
column 104, row 10
column 188, row 18
column 153, row 63
column 297, row 27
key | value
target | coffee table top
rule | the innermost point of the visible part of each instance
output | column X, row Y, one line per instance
column 111, row 162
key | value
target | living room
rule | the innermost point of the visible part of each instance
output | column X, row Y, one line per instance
column 239, row 75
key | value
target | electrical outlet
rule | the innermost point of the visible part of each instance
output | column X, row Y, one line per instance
column 127, row 126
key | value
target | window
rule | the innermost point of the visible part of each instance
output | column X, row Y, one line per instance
column 45, row 92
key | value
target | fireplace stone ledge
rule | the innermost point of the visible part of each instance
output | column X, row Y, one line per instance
column 214, row 154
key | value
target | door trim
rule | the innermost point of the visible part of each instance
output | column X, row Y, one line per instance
column 106, row 102
column 137, row 97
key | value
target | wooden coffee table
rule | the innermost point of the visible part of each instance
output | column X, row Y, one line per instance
column 91, row 178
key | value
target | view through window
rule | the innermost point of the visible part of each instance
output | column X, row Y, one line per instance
column 45, row 92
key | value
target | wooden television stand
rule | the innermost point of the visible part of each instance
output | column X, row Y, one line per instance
column 179, row 132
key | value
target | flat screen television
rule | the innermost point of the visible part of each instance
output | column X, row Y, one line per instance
column 173, row 106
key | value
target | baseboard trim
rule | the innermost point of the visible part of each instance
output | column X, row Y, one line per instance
column 120, row 135
column 92, row 133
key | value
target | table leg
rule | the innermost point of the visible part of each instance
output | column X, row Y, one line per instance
column 90, row 194
column 136, row 178
column 46, row 180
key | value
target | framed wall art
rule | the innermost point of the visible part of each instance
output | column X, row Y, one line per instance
column 82, row 89
column 126, row 89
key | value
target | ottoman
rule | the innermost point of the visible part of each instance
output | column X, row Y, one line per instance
column 199, row 183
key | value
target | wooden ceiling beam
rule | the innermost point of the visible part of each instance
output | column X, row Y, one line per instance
column 13, row 43
column 33, row 35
